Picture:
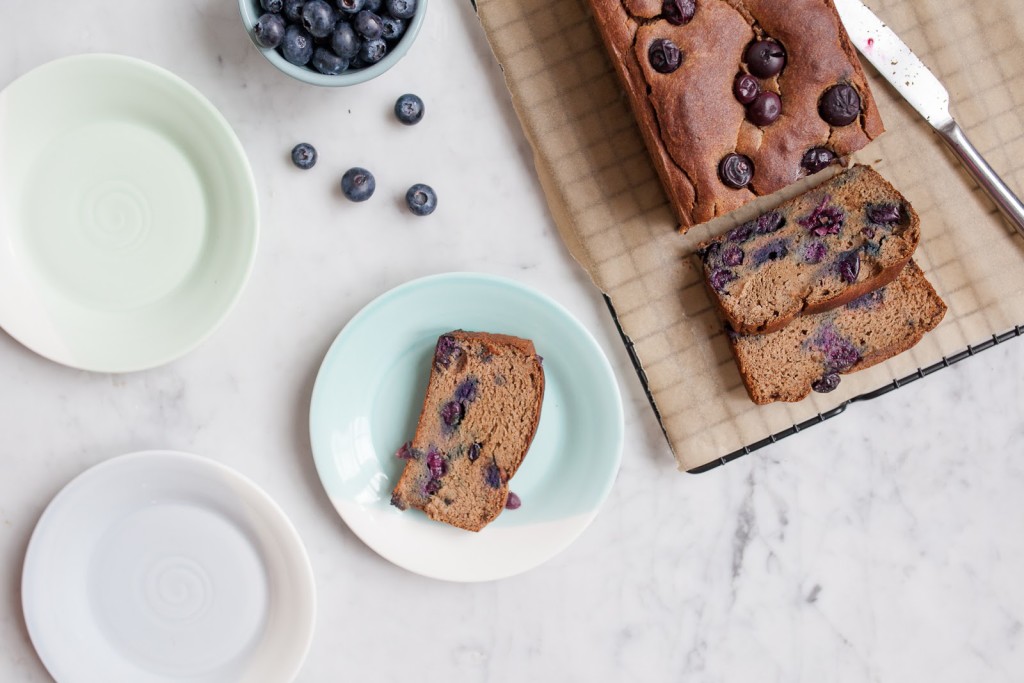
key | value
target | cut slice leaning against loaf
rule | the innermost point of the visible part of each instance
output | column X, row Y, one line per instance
column 479, row 417
column 818, row 251
column 812, row 351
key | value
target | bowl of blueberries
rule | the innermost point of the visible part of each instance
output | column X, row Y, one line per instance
column 333, row 42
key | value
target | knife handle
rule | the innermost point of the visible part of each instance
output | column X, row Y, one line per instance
column 1004, row 198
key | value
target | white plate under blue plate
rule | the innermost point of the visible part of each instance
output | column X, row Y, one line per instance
column 368, row 396
column 164, row 567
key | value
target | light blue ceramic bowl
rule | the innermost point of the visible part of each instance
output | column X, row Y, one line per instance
column 251, row 11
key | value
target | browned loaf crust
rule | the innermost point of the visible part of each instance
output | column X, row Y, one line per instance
column 690, row 118
column 813, row 253
column 479, row 416
column 811, row 352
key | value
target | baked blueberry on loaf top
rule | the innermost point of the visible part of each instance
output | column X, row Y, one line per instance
column 479, row 416
column 815, row 252
column 811, row 352
column 737, row 98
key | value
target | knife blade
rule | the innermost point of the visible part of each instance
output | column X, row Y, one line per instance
column 925, row 93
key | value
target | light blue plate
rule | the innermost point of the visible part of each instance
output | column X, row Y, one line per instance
column 368, row 395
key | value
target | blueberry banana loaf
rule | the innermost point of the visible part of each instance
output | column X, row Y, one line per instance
column 479, row 416
column 815, row 252
column 737, row 98
column 811, row 352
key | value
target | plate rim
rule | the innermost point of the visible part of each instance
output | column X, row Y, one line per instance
column 469, row 276
column 251, row 201
column 251, row 487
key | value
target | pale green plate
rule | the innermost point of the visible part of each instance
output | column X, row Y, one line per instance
column 368, row 395
column 128, row 214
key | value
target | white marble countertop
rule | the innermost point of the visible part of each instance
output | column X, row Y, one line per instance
column 885, row 545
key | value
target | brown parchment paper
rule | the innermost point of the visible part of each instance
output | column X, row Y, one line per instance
column 613, row 215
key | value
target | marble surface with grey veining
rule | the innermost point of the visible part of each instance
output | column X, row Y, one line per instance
column 885, row 545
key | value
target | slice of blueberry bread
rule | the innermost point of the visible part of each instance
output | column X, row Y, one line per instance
column 479, row 416
column 815, row 252
column 811, row 352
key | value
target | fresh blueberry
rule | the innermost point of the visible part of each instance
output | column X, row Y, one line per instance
column 664, row 56
column 392, row 28
column 446, row 351
column 848, row 267
column 772, row 251
column 474, row 452
column 466, row 391
column 368, row 25
column 344, row 41
column 373, row 5
column 512, row 502
column 297, row 47
column 269, row 31
column 884, row 214
column 409, row 109
column 318, row 18
column 358, row 184
column 824, row 219
column 293, row 10
column 401, row 9
column 765, row 109
column 814, row 252
column 733, row 256
column 272, row 5
column 746, row 88
column 328, row 63
column 357, row 62
column 720, row 278
column 735, row 170
column 421, row 199
column 678, row 12
column 373, row 50
column 769, row 222
column 452, row 413
column 351, row 6
column 304, row 155
column 492, row 475
column 817, row 158
column 826, row 384
column 840, row 105
column 765, row 58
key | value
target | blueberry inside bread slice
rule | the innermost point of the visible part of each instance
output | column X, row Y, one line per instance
column 813, row 253
column 479, row 416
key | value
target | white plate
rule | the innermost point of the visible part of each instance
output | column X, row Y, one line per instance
column 368, row 395
column 128, row 216
column 164, row 567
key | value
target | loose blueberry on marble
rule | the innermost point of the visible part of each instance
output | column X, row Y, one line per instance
column 344, row 41
column 409, row 109
column 733, row 256
column 840, row 105
column 817, row 158
column 293, row 10
column 401, row 9
column 826, row 384
column 297, row 46
column 392, row 27
column 272, row 5
column 368, row 25
column 765, row 58
column 269, row 31
column 884, row 214
column 746, row 88
column 373, row 50
column 720, row 278
column 358, row 184
column 765, row 109
column 452, row 413
column 513, row 502
column 664, row 56
column 769, row 222
column 318, row 18
column 351, row 6
column 328, row 63
column 421, row 199
column 848, row 266
column 492, row 475
column 814, row 252
column 304, row 155
column 736, row 170
column 678, row 12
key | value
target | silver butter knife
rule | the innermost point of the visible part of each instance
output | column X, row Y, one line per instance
column 926, row 94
